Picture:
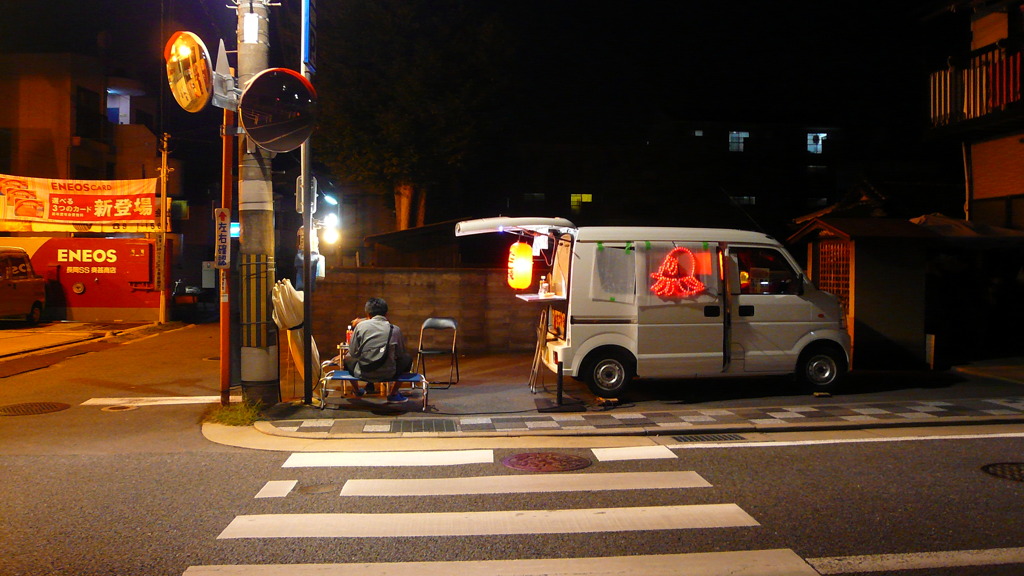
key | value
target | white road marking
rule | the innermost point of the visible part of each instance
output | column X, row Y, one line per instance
column 487, row 523
column 276, row 489
column 771, row 444
column 782, row 562
column 423, row 458
column 156, row 400
column 633, row 453
column 916, row 560
column 523, row 484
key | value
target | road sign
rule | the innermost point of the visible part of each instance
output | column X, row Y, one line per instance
column 222, row 238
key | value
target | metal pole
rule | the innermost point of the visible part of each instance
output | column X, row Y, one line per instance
column 308, row 273
column 259, row 356
column 226, row 199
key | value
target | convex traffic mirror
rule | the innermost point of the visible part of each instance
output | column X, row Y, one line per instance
column 189, row 71
column 278, row 109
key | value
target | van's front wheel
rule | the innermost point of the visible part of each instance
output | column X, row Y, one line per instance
column 608, row 371
column 821, row 368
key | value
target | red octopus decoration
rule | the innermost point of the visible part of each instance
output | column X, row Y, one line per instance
column 672, row 281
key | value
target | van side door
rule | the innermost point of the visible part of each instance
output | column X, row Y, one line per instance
column 769, row 313
column 680, row 309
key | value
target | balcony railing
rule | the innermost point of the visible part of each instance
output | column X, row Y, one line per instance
column 989, row 83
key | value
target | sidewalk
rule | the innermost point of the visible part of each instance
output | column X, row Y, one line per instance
column 494, row 400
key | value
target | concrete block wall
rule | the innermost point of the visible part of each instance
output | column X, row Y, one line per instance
column 490, row 317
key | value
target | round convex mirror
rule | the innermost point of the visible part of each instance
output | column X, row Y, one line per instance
column 189, row 71
column 278, row 109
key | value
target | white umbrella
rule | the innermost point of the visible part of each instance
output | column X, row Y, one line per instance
column 288, row 314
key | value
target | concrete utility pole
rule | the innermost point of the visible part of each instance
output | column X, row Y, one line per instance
column 259, row 355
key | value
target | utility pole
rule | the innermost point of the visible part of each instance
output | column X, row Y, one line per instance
column 160, row 273
column 258, row 338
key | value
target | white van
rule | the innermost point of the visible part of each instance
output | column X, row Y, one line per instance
column 22, row 293
column 628, row 302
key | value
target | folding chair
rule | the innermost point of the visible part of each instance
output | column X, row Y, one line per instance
column 436, row 345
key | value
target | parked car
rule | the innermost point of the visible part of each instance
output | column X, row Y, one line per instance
column 22, row 292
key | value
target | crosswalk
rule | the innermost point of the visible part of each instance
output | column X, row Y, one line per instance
column 673, row 517
column 565, row 521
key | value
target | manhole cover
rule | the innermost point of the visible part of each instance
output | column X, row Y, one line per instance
column 545, row 462
column 708, row 438
column 1007, row 470
column 318, row 489
column 29, row 408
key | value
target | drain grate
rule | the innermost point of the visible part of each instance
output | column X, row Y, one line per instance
column 425, row 425
column 30, row 408
column 545, row 462
column 1006, row 470
column 708, row 438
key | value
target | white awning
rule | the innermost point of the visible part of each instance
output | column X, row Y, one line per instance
column 524, row 225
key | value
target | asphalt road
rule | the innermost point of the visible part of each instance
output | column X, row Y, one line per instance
column 89, row 491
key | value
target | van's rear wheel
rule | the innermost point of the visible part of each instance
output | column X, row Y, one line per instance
column 821, row 368
column 609, row 371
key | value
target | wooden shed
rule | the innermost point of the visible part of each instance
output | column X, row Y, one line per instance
column 877, row 267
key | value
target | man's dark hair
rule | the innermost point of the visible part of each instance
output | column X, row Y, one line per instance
column 376, row 307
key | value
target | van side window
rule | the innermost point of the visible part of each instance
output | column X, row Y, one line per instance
column 678, row 271
column 614, row 277
column 18, row 268
column 765, row 271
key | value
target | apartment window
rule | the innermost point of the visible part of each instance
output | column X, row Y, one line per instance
column 89, row 114
column 815, row 142
column 576, row 202
column 737, row 141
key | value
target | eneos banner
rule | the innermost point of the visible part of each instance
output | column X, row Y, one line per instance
column 27, row 199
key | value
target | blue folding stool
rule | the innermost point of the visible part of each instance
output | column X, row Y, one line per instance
column 342, row 381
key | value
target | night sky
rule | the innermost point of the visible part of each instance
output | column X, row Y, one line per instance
column 585, row 65
column 807, row 59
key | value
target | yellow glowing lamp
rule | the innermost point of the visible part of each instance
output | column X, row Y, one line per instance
column 520, row 265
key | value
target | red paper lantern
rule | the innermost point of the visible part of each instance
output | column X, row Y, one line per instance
column 520, row 265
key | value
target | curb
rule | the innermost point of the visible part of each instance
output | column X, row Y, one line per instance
column 269, row 429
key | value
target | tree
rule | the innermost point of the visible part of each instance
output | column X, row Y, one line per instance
column 407, row 92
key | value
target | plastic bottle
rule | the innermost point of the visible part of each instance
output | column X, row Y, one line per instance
column 542, row 290
column 348, row 335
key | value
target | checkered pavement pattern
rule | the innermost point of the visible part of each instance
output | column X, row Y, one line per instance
column 679, row 420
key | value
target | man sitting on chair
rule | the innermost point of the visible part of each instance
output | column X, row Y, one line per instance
column 377, row 351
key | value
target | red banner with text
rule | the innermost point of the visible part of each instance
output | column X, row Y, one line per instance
column 43, row 200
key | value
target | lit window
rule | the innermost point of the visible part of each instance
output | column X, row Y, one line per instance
column 698, row 132
column 815, row 140
column 744, row 200
column 576, row 201
column 737, row 140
